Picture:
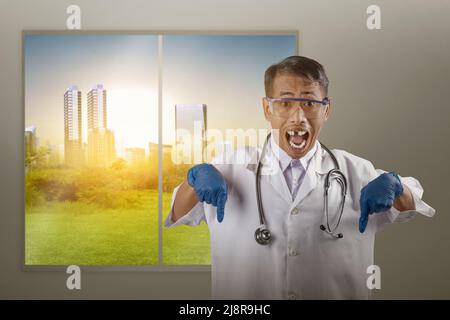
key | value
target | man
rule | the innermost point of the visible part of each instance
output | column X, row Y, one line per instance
column 301, row 261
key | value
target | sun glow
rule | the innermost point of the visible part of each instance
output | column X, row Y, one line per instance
column 133, row 116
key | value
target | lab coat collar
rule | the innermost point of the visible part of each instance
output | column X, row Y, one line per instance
column 321, row 163
column 270, row 169
column 285, row 159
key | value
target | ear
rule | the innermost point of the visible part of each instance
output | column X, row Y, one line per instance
column 328, row 110
column 266, row 108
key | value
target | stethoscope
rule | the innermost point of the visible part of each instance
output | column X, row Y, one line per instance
column 263, row 235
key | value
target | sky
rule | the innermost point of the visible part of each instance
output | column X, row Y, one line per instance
column 224, row 72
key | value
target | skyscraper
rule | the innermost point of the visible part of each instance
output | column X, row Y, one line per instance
column 101, row 146
column 30, row 140
column 73, row 154
column 97, row 108
column 190, row 128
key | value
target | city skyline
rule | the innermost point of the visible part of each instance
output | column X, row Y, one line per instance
column 197, row 69
column 123, row 64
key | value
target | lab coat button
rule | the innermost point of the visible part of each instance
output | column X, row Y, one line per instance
column 292, row 253
column 292, row 296
column 295, row 211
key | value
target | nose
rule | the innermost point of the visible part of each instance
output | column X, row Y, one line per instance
column 297, row 116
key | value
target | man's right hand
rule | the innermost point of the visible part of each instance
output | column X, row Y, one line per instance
column 210, row 186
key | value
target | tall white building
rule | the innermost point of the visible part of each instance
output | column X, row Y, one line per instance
column 101, row 147
column 30, row 140
column 73, row 154
column 190, row 131
column 97, row 108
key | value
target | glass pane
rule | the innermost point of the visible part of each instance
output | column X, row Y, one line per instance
column 90, row 123
column 221, row 77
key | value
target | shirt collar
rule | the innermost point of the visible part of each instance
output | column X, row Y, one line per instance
column 285, row 160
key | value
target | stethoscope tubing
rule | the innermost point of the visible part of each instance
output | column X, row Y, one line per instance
column 262, row 233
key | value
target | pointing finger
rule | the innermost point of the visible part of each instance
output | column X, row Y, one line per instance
column 364, row 218
column 221, row 206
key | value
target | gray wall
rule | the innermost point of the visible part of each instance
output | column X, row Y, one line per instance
column 390, row 91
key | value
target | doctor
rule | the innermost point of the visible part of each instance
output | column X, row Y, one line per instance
column 302, row 261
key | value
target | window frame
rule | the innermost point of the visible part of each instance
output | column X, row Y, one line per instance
column 160, row 266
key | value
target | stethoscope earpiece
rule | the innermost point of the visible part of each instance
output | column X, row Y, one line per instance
column 331, row 233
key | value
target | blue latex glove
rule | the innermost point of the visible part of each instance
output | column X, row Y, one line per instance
column 210, row 186
column 378, row 196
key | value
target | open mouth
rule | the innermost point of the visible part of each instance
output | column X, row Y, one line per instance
column 297, row 139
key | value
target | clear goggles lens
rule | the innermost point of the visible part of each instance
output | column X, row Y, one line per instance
column 285, row 107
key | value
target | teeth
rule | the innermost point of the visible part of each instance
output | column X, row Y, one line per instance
column 300, row 132
column 297, row 146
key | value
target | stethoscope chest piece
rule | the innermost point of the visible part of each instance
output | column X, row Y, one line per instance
column 263, row 236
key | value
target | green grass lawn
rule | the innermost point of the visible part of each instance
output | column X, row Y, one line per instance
column 63, row 233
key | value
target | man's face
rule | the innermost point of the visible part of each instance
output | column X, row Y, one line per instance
column 291, row 86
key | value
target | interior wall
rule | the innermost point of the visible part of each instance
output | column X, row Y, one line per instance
column 389, row 91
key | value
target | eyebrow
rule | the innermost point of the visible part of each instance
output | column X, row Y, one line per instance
column 289, row 93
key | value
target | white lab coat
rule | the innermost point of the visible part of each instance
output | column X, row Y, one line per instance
column 302, row 262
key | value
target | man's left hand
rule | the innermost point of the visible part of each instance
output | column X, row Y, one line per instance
column 378, row 196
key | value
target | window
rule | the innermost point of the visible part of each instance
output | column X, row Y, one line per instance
column 94, row 191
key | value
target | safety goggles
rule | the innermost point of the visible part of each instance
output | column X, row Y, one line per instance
column 285, row 107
